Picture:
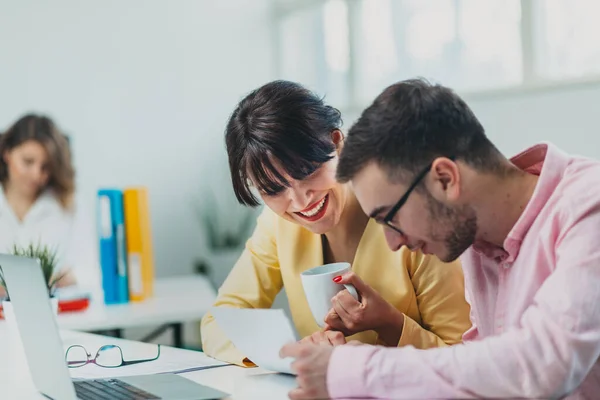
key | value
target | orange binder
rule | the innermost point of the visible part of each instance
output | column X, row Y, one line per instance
column 140, row 257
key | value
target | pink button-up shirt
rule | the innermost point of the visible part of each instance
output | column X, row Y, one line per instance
column 535, row 306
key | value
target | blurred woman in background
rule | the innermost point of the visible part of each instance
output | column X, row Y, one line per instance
column 283, row 143
column 37, row 188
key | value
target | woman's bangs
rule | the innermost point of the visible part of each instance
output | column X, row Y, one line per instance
column 262, row 168
column 264, row 175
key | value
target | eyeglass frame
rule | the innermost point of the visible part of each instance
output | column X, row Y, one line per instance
column 387, row 220
column 93, row 360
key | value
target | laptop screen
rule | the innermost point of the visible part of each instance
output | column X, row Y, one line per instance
column 37, row 326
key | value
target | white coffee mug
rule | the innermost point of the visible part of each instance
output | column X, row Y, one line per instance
column 320, row 288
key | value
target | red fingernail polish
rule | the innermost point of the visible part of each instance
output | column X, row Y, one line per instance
column 337, row 279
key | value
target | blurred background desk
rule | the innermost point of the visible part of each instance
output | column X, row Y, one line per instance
column 176, row 300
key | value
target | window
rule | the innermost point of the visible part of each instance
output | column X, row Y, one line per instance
column 466, row 44
column 314, row 48
column 566, row 37
column 350, row 50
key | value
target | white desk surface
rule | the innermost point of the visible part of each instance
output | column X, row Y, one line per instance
column 241, row 383
column 176, row 299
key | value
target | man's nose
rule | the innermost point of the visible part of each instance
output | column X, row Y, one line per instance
column 395, row 240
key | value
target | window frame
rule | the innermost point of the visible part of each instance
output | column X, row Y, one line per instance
column 532, row 80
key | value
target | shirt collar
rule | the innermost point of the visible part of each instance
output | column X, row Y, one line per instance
column 549, row 163
column 45, row 203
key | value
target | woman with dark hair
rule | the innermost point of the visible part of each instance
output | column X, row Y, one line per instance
column 283, row 142
column 37, row 186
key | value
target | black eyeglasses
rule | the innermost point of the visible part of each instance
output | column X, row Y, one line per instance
column 387, row 220
column 108, row 356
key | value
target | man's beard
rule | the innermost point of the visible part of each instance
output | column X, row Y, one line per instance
column 460, row 223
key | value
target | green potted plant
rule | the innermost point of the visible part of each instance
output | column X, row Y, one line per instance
column 226, row 225
column 47, row 259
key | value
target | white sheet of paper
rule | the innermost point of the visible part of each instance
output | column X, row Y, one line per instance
column 259, row 334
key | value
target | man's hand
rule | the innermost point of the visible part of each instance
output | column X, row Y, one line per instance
column 350, row 316
column 310, row 365
column 327, row 337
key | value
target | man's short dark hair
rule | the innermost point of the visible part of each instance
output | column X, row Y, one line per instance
column 281, row 122
column 409, row 125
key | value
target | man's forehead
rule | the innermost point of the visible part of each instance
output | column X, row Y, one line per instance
column 373, row 188
column 372, row 176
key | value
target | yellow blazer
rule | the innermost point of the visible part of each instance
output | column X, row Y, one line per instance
column 429, row 293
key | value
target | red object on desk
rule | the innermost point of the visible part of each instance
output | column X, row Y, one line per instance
column 73, row 304
column 65, row 305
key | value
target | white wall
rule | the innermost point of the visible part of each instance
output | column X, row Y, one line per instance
column 144, row 89
column 564, row 115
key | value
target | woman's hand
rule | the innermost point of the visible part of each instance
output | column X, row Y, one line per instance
column 325, row 337
column 373, row 312
column 64, row 278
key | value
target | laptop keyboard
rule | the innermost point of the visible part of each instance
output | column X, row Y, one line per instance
column 109, row 389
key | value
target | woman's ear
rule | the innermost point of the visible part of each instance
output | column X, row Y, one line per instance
column 337, row 137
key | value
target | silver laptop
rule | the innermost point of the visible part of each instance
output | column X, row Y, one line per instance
column 45, row 354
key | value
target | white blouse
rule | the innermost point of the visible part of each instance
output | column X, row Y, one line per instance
column 71, row 233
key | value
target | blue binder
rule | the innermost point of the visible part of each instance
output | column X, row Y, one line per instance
column 113, row 255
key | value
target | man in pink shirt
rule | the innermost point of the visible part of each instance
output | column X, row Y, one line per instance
column 528, row 234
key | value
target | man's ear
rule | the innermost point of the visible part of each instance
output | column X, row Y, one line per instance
column 337, row 137
column 445, row 180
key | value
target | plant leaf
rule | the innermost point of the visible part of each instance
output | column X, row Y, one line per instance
column 46, row 258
